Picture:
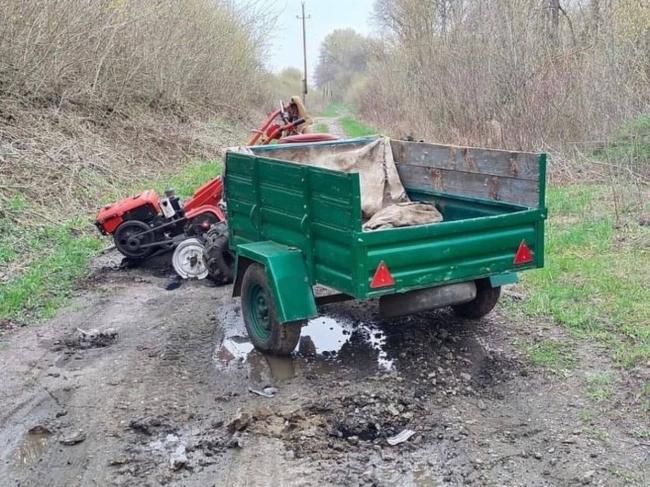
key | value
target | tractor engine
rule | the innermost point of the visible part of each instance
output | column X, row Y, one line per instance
column 171, row 205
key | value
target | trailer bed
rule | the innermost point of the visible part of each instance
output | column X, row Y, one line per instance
column 491, row 201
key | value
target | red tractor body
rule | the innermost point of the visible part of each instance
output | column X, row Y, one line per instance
column 111, row 216
column 146, row 222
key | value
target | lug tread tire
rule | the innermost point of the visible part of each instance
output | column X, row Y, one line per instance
column 216, row 256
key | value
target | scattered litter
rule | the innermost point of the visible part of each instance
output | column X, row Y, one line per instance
column 178, row 458
column 119, row 461
column 264, row 393
column 73, row 438
column 235, row 442
column 8, row 325
column 400, row 437
column 145, row 424
column 174, row 284
column 392, row 410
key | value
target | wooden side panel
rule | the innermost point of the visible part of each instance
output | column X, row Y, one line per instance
column 519, row 191
column 513, row 177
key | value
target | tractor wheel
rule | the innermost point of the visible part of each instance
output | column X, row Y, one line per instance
column 217, row 256
column 188, row 259
column 260, row 316
column 484, row 302
column 130, row 236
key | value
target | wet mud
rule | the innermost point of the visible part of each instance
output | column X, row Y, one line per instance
column 179, row 396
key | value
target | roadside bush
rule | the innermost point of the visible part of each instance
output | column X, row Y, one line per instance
column 97, row 95
column 518, row 74
column 113, row 53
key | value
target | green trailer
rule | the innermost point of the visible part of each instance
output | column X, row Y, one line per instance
column 293, row 226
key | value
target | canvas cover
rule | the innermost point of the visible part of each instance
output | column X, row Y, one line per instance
column 384, row 202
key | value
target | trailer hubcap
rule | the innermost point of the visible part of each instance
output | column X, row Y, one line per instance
column 260, row 313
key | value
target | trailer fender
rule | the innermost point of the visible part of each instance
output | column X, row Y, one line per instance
column 287, row 274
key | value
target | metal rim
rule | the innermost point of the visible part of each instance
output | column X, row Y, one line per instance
column 188, row 260
column 259, row 313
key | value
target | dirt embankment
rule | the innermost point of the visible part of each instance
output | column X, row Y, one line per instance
column 62, row 160
column 143, row 382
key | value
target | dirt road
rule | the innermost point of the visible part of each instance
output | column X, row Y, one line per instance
column 161, row 394
column 333, row 125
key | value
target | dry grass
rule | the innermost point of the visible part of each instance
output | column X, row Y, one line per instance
column 97, row 94
column 501, row 74
column 66, row 162
column 176, row 56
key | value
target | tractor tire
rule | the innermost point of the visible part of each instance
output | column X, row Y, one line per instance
column 484, row 302
column 260, row 316
column 217, row 256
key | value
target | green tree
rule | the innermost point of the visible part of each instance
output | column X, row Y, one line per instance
column 343, row 55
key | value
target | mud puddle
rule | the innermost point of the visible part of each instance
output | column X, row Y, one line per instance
column 31, row 447
column 326, row 342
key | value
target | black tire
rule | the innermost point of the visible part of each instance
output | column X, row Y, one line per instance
column 260, row 316
column 217, row 256
column 130, row 236
column 484, row 302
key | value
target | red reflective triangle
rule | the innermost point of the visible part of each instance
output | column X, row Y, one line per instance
column 382, row 276
column 523, row 255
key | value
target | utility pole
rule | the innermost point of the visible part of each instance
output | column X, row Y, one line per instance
column 304, row 51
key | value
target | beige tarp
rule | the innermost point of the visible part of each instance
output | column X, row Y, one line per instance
column 384, row 202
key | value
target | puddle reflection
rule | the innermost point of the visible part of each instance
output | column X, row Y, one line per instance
column 31, row 448
column 324, row 340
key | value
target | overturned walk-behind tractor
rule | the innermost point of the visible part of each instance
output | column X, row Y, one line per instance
column 146, row 223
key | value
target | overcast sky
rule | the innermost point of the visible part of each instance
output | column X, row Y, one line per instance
column 326, row 15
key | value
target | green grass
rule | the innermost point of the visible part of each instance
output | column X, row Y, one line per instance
column 599, row 386
column 550, row 353
column 45, row 261
column 586, row 415
column 60, row 256
column 322, row 128
column 190, row 178
column 630, row 144
column 334, row 109
column 596, row 275
column 354, row 128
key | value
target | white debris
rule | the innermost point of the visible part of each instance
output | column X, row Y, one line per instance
column 400, row 437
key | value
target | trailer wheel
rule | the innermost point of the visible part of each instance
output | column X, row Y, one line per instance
column 260, row 316
column 484, row 302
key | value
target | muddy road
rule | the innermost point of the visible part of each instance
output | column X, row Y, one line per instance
column 142, row 381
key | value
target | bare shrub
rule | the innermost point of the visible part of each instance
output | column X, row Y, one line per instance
column 197, row 53
column 97, row 95
column 509, row 73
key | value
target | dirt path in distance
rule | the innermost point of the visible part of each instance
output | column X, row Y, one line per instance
column 333, row 125
column 163, row 397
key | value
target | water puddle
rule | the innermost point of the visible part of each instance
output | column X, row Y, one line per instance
column 32, row 446
column 324, row 340
column 338, row 339
column 233, row 349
